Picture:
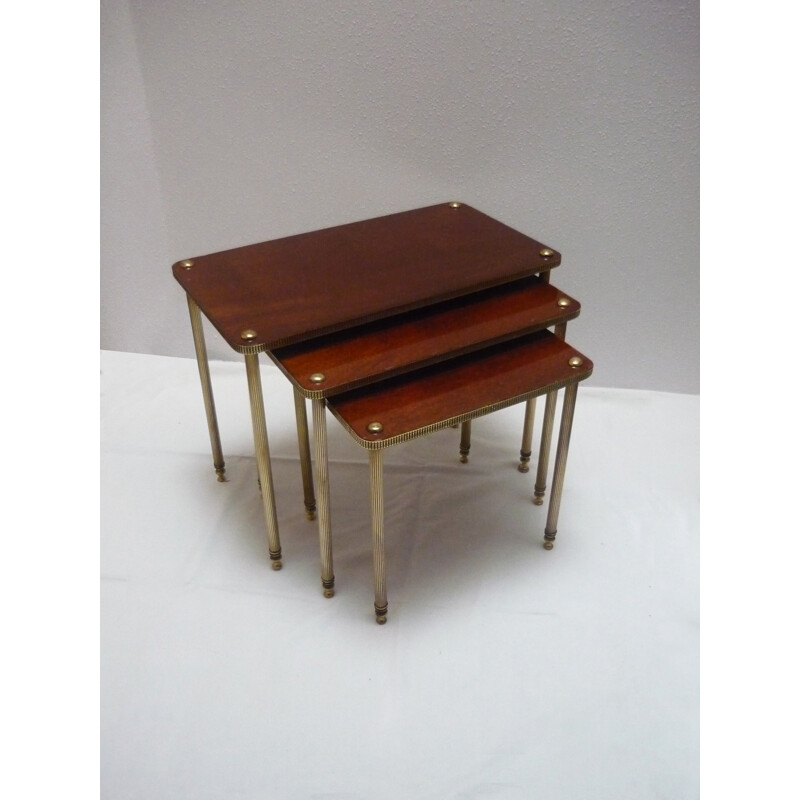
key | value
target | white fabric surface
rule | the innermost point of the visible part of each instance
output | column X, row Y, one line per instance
column 504, row 671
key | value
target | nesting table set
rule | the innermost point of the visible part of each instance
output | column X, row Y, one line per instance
column 399, row 326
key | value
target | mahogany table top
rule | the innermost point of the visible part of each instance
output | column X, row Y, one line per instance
column 357, row 356
column 459, row 389
column 298, row 287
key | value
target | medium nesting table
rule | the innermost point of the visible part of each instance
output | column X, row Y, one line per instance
column 408, row 344
column 278, row 293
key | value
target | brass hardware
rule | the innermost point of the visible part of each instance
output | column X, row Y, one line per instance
column 546, row 252
column 208, row 392
column 317, row 377
column 261, row 442
column 527, row 436
column 249, row 335
column 575, row 361
column 466, row 438
column 563, row 302
column 455, row 204
column 305, row 454
column 323, row 495
column 188, row 264
column 559, row 468
column 378, row 547
column 375, row 427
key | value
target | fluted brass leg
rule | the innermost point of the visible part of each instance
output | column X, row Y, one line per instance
column 567, row 414
column 262, row 457
column 466, row 437
column 321, row 463
column 527, row 436
column 305, row 454
column 205, row 383
column 544, row 448
column 378, row 550
column 560, row 331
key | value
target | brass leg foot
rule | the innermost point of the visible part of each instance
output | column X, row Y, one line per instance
column 548, row 545
column 527, row 436
column 466, row 441
column 380, row 614
column 277, row 564
column 311, row 512
column 538, row 497
column 221, row 474
column 327, row 588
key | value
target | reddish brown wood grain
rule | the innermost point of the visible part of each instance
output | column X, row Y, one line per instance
column 302, row 286
column 470, row 385
column 380, row 350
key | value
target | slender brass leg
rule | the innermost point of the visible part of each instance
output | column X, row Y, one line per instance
column 205, row 383
column 262, row 457
column 544, row 448
column 305, row 454
column 321, row 461
column 567, row 414
column 378, row 551
column 560, row 330
column 466, row 436
column 527, row 436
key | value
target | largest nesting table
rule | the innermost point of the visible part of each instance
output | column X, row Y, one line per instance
column 305, row 287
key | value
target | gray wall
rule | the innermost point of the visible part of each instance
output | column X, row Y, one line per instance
column 576, row 122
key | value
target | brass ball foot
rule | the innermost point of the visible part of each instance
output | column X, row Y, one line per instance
column 548, row 545
column 381, row 620
column 221, row 475
column 311, row 514
column 464, row 459
column 276, row 565
column 328, row 593
column 523, row 467
column 538, row 501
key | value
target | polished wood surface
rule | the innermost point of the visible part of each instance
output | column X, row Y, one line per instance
column 391, row 346
column 302, row 286
column 464, row 387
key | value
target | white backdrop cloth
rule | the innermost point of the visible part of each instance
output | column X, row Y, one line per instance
column 504, row 671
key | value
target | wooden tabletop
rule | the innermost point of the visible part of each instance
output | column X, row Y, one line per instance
column 295, row 288
column 331, row 364
column 459, row 389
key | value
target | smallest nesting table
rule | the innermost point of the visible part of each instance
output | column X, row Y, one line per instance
column 396, row 410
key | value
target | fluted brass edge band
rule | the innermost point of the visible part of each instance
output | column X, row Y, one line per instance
column 250, row 349
column 436, row 426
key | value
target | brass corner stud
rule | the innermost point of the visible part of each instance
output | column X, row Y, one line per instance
column 249, row 335
column 374, row 427
column 455, row 204
column 188, row 264
column 317, row 377
column 546, row 252
column 563, row 302
column 575, row 361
